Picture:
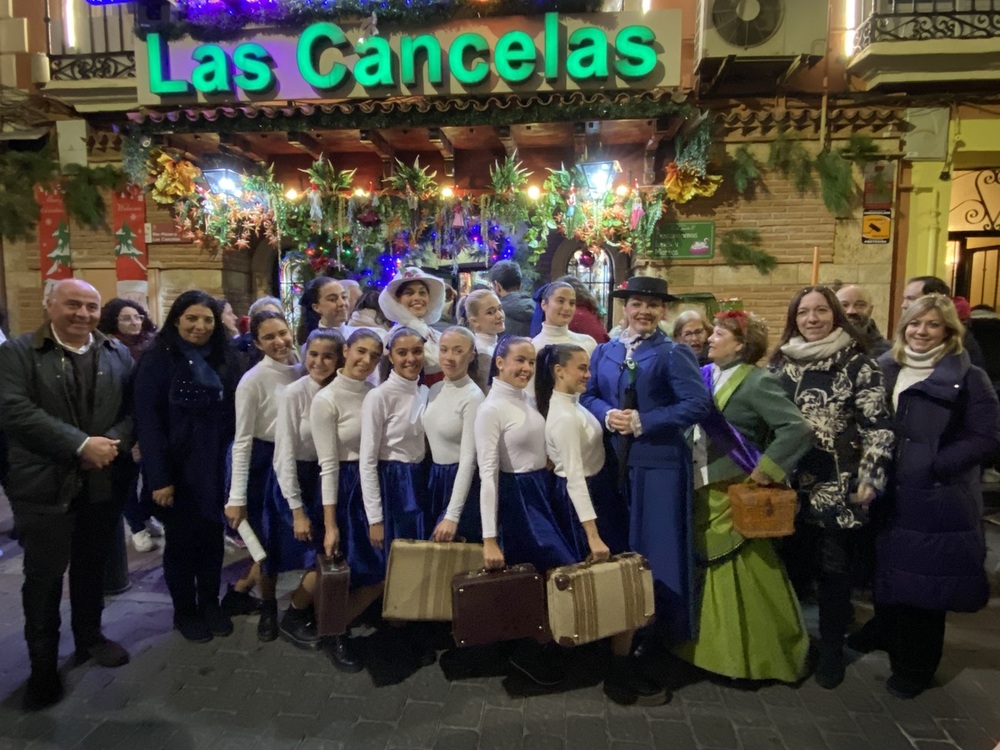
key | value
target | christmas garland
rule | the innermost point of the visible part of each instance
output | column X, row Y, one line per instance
column 213, row 20
column 81, row 188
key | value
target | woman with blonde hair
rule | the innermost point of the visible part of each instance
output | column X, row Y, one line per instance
column 930, row 549
column 483, row 314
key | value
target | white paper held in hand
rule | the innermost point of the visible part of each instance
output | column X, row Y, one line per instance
column 251, row 541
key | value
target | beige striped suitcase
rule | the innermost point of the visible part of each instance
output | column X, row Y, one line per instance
column 419, row 575
column 589, row 601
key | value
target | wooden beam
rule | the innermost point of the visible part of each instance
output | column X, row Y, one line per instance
column 664, row 127
column 305, row 142
column 377, row 143
column 241, row 144
column 445, row 148
column 508, row 140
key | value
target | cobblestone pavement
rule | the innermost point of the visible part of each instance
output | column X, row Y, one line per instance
column 238, row 693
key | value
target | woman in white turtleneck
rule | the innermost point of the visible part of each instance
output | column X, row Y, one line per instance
column 484, row 314
column 449, row 421
column 257, row 398
column 822, row 365
column 393, row 481
column 298, row 518
column 415, row 300
column 558, row 305
column 335, row 416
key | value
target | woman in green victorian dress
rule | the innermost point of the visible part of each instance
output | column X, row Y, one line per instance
column 749, row 622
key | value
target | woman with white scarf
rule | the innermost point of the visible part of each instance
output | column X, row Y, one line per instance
column 822, row 364
column 415, row 300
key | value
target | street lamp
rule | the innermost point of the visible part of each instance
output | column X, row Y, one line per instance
column 224, row 182
column 600, row 175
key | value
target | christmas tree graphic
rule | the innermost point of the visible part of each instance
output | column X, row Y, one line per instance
column 125, row 247
column 60, row 254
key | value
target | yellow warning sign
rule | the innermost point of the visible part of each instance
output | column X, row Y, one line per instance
column 876, row 227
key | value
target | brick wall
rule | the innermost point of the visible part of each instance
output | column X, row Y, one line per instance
column 790, row 226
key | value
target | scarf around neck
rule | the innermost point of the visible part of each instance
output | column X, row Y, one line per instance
column 202, row 373
column 800, row 350
column 924, row 361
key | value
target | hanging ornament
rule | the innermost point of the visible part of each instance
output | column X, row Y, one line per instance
column 458, row 218
column 411, row 199
column 637, row 210
column 369, row 27
column 315, row 206
column 571, row 202
column 587, row 258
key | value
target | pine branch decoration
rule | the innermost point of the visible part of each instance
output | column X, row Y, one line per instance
column 741, row 247
column 836, row 180
column 745, row 169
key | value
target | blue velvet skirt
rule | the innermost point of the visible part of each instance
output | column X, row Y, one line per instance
column 367, row 563
column 261, row 482
column 529, row 529
column 284, row 551
column 405, row 506
column 611, row 509
column 439, row 486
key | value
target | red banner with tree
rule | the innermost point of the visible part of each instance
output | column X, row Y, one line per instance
column 128, row 219
column 53, row 236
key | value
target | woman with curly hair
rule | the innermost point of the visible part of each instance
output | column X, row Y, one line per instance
column 749, row 622
column 822, row 365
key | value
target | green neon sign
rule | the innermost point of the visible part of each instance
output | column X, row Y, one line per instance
column 326, row 62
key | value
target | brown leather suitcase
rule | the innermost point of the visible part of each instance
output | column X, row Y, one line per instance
column 593, row 600
column 330, row 601
column 489, row 606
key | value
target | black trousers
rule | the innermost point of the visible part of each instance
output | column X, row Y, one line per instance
column 914, row 638
column 80, row 540
column 192, row 560
column 826, row 556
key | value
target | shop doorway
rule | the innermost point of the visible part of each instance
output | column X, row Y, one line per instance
column 975, row 258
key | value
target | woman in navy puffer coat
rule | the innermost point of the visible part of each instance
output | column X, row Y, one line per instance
column 930, row 548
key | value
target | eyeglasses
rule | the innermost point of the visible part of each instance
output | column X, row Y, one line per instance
column 131, row 318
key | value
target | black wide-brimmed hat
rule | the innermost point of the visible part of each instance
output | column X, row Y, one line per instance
column 649, row 285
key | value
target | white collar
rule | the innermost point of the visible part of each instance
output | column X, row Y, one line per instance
column 568, row 398
column 486, row 339
column 347, row 383
column 551, row 331
column 75, row 350
column 273, row 364
column 506, row 390
column 399, row 383
column 460, row 383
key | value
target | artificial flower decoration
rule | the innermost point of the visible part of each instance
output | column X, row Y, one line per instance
column 682, row 184
column 175, row 179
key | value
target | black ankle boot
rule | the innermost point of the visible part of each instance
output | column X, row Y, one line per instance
column 267, row 628
column 298, row 628
column 830, row 666
column 44, row 689
column 341, row 654
column 240, row 603
column 626, row 684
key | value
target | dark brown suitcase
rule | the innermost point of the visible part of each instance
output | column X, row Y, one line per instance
column 499, row 605
column 330, row 601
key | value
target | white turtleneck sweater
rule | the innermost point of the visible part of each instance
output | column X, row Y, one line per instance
column 510, row 437
column 257, row 398
column 562, row 335
column 486, row 344
column 574, row 441
column 293, row 440
column 391, row 430
column 450, row 423
column 336, row 427
column 916, row 367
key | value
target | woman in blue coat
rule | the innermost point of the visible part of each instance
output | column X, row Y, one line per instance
column 930, row 549
column 647, row 392
column 185, row 416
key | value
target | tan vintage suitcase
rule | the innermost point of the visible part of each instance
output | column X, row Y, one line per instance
column 419, row 575
column 593, row 600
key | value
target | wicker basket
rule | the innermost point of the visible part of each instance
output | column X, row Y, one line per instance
column 762, row 511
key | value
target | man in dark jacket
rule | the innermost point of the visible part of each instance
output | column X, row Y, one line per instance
column 518, row 307
column 857, row 304
column 63, row 407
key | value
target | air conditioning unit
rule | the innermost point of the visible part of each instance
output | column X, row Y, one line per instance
column 760, row 28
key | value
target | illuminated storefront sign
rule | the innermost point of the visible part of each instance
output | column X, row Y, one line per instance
column 497, row 55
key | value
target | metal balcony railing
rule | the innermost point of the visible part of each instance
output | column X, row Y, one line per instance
column 90, row 42
column 910, row 20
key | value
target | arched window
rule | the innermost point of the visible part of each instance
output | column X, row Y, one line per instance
column 594, row 268
column 293, row 274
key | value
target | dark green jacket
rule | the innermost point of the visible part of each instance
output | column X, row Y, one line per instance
column 755, row 404
column 39, row 413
